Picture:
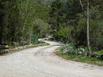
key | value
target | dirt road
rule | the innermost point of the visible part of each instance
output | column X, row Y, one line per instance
column 42, row 62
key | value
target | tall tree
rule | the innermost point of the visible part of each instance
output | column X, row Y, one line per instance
column 88, row 25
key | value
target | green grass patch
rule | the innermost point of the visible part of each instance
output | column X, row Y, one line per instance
column 100, row 52
column 79, row 58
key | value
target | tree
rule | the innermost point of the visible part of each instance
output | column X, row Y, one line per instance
column 88, row 24
column 17, row 20
column 55, row 15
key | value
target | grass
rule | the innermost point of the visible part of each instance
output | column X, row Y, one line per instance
column 79, row 58
column 100, row 52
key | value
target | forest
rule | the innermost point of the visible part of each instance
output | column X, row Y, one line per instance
column 73, row 22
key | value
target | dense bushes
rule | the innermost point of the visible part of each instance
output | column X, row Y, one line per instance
column 70, row 49
column 68, row 22
column 17, row 21
column 63, row 34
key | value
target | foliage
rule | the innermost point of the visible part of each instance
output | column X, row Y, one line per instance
column 17, row 21
column 63, row 33
column 75, row 21
column 80, row 58
column 71, row 49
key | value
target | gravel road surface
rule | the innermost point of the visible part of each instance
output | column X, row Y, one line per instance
column 42, row 62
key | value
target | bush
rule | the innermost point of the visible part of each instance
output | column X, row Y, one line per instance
column 63, row 34
column 100, row 54
column 83, row 51
column 71, row 49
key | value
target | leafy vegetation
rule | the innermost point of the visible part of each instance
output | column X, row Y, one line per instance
column 80, row 58
column 81, row 25
column 69, row 52
column 75, row 20
column 22, row 21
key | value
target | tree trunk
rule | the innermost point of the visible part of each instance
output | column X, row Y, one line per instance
column 88, row 26
column 81, row 4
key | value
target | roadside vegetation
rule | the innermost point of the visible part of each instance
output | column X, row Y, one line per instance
column 9, row 50
column 70, row 52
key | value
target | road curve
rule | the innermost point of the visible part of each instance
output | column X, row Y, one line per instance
column 42, row 62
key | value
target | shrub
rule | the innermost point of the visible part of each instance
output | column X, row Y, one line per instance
column 69, row 48
column 100, row 54
column 63, row 34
